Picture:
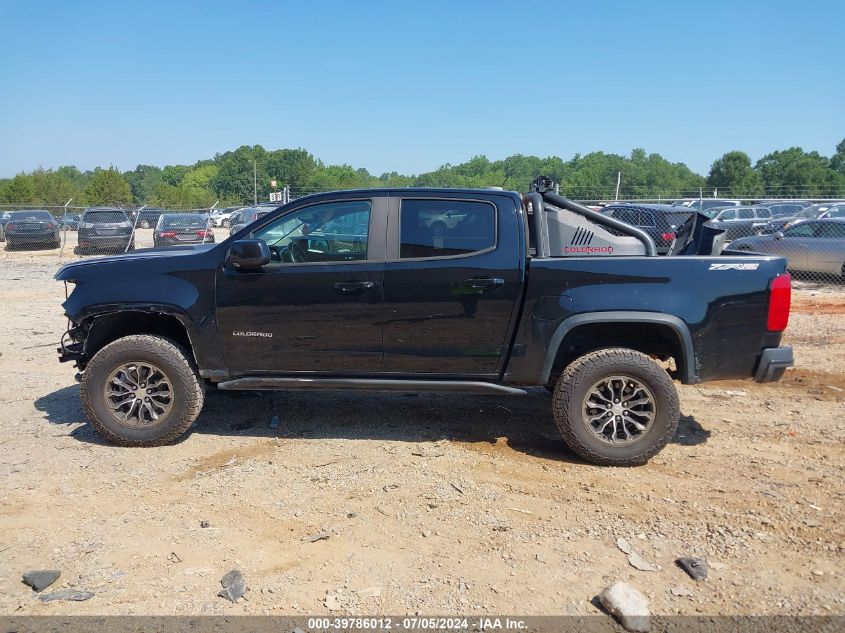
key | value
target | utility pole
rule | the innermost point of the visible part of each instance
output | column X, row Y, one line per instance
column 618, row 182
column 255, row 181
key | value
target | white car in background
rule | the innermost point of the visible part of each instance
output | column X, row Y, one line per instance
column 223, row 217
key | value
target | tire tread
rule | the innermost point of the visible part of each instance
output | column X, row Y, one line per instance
column 182, row 364
column 581, row 370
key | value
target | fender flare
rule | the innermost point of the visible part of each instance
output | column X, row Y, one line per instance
column 686, row 366
column 104, row 311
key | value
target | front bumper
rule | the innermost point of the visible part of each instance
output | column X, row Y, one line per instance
column 773, row 363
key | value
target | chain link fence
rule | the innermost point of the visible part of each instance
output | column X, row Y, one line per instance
column 810, row 234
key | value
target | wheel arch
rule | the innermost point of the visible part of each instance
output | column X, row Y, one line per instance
column 165, row 321
column 639, row 331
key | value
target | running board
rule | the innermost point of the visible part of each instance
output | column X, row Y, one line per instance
column 257, row 383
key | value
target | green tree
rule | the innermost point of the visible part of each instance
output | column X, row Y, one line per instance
column 734, row 176
column 21, row 188
column 235, row 178
column 107, row 186
column 837, row 161
column 294, row 168
column 335, row 177
column 795, row 173
column 143, row 181
column 173, row 174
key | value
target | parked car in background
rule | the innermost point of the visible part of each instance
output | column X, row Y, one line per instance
column 105, row 229
column 4, row 217
column 813, row 212
column 705, row 204
column 147, row 217
column 660, row 221
column 223, row 217
column 250, row 215
column 174, row 229
column 35, row 227
column 784, row 207
column 816, row 246
column 440, row 221
column 740, row 221
column 69, row 222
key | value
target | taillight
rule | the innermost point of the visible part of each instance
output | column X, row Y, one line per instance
column 205, row 234
column 780, row 296
column 168, row 234
column 667, row 237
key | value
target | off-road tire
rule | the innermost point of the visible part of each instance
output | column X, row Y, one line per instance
column 580, row 375
column 179, row 368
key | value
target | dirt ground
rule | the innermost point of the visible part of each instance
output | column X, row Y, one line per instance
column 432, row 504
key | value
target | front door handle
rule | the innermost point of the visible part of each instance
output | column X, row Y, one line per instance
column 483, row 283
column 353, row 287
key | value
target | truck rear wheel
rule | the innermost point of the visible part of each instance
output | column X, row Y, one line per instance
column 616, row 407
column 141, row 390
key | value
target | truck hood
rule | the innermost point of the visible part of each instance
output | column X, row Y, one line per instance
column 69, row 271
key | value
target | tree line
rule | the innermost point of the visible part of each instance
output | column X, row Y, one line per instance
column 229, row 178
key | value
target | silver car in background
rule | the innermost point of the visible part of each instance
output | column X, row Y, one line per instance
column 816, row 246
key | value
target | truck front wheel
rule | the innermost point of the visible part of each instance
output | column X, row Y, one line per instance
column 616, row 407
column 141, row 390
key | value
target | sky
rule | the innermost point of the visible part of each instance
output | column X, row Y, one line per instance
column 409, row 86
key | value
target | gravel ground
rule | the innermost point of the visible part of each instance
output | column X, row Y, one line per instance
column 429, row 504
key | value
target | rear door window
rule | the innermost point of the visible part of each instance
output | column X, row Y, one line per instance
column 445, row 228
column 746, row 214
column 764, row 213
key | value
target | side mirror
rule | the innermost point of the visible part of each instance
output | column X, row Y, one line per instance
column 779, row 235
column 248, row 255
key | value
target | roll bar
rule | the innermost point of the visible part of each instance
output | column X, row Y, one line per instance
column 541, row 192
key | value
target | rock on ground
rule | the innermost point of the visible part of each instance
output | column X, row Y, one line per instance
column 627, row 605
column 40, row 579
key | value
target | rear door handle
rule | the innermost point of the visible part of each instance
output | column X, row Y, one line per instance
column 483, row 283
column 353, row 287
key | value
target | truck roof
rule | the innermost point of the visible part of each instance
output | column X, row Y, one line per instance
column 407, row 190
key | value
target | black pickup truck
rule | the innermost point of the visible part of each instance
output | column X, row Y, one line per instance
column 475, row 291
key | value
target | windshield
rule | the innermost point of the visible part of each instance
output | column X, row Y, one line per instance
column 105, row 217
column 31, row 215
column 186, row 220
column 813, row 212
